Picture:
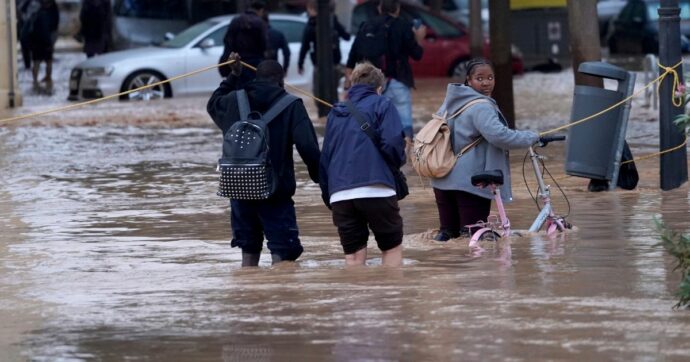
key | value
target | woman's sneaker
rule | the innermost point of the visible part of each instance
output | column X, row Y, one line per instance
column 444, row 236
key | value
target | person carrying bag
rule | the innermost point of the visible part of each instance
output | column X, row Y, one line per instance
column 359, row 170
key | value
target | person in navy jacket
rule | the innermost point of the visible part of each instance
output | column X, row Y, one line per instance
column 355, row 171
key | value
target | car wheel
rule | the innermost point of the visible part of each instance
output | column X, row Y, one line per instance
column 142, row 78
column 459, row 70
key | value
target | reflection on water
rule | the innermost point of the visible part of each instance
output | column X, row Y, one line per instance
column 114, row 246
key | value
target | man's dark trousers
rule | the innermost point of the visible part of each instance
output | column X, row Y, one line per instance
column 274, row 217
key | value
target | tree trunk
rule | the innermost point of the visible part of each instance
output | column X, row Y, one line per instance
column 476, row 31
column 584, row 38
column 499, row 28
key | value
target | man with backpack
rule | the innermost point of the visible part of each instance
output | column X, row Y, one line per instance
column 257, row 169
column 388, row 42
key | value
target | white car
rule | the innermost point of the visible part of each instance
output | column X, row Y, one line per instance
column 199, row 46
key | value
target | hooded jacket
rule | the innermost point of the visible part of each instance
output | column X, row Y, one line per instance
column 292, row 126
column 479, row 120
column 349, row 158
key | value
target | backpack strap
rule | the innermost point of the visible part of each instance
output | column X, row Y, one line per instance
column 459, row 112
column 243, row 103
column 278, row 107
column 466, row 106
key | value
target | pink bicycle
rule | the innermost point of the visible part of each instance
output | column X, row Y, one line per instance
column 499, row 226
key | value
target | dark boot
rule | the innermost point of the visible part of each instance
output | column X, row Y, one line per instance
column 250, row 259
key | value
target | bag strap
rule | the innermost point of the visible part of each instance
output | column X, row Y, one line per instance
column 466, row 106
column 368, row 129
column 363, row 124
column 242, row 103
column 278, row 107
column 459, row 112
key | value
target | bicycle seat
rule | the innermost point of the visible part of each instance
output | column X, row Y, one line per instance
column 487, row 178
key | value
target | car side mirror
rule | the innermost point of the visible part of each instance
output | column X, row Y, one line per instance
column 207, row 43
column 169, row 36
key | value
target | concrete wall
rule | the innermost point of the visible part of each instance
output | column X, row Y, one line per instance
column 8, row 56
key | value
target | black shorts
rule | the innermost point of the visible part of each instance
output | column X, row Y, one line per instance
column 354, row 218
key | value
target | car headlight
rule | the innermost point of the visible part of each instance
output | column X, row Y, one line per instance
column 98, row 71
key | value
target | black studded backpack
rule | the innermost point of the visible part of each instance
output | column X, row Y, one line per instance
column 245, row 169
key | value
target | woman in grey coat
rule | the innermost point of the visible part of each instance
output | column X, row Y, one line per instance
column 459, row 202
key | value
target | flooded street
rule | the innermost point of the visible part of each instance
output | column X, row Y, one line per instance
column 115, row 247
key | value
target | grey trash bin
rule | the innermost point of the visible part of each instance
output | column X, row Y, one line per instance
column 595, row 146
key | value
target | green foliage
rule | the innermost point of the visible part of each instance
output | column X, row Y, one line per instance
column 678, row 246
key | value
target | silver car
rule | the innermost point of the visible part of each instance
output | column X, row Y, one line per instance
column 199, row 46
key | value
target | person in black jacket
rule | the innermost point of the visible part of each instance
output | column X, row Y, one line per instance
column 247, row 36
column 42, row 37
column 309, row 39
column 277, row 41
column 275, row 217
column 309, row 45
column 402, row 41
column 96, row 23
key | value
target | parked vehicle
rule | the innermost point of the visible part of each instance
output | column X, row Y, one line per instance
column 459, row 10
column 636, row 28
column 607, row 10
column 447, row 43
column 197, row 47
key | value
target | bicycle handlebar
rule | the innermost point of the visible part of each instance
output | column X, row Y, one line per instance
column 543, row 141
column 548, row 139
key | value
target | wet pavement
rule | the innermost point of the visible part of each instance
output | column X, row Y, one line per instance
column 115, row 247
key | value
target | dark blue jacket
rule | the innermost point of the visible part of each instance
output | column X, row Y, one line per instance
column 349, row 158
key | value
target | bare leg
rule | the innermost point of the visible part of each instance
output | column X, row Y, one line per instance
column 392, row 257
column 34, row 72
column 49, row 74
column 357, row 258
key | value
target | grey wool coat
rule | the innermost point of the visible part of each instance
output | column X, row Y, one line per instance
column 485, row 120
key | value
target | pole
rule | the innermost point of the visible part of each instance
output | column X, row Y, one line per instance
column 476, row 32
column 9, row 76
column 673, row 170
column 499, row 21
column 325, row 76
column 584, row 39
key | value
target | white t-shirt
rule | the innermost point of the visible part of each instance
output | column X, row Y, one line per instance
column 364, row 192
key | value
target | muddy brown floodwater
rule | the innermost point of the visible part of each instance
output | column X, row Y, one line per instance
column 114, row 247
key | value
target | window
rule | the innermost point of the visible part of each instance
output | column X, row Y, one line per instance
column 440, row 27
column 190, row 34
column 217, row 36
column 152, row 9
column 291, row 29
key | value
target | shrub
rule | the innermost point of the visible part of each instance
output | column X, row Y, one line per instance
column 678, row 246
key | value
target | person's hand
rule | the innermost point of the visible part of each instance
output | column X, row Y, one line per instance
column 419, row 33
column 236, row 66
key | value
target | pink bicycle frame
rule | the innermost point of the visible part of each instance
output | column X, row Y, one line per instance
column 488, row 226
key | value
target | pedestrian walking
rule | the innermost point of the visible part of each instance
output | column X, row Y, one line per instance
column 42, row 37
column 309, row 44
column 96, row 25
column 247, row 36
column 459, row 202
column 275, row 216
column 277, row 42
column 355, row 169
column 26, row 15
column 388, row 42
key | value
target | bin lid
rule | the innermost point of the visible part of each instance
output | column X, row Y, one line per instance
column 603, row 70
